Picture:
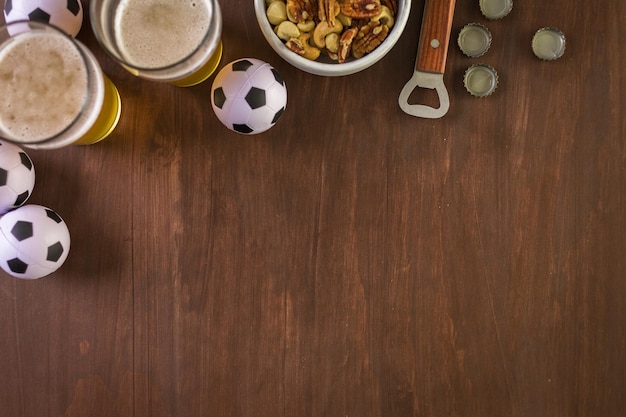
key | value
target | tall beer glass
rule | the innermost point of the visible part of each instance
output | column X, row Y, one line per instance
column 52, row 90
column 176, row 41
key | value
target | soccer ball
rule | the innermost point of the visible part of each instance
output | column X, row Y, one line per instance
column 34, row 242
column 67, row 15
column 17, row 177
column 248, row 96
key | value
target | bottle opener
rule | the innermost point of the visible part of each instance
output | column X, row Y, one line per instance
column 430, row 63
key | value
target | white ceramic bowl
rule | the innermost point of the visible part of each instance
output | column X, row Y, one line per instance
column 325, row 66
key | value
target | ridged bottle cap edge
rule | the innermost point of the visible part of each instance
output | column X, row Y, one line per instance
column 493, row 84
column 558, row 33
column 503, row 13
column 481, row 27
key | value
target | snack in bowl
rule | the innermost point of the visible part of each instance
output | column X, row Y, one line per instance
column 336, row 28
column 332, row 37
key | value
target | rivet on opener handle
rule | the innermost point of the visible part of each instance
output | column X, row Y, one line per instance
column 430, row 63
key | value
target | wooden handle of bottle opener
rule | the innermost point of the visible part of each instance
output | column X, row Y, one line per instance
column 432, row 49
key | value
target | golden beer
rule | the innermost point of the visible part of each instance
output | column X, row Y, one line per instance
column 53, row 92
column 204, row 72
column 108, row 117
column 175, row 41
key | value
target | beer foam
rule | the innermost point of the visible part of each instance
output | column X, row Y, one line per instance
column 43, row 86
column 160, row 33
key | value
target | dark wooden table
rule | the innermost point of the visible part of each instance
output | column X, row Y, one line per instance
column 353, row 260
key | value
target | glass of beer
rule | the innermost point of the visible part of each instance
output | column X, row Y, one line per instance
column 52, row 90
column 175, row 41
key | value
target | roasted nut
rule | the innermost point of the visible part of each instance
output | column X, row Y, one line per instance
column 339, row 28
column 346, row 21
column 368, row 38
column 385, row 17
column 360, row 9
column 295, row 46
column 276, row 12
column 307, row 26
column 345, row 44
column 301, row 46
column 391, row 5
column 328, row 10
column 299, row 11
column 322, row 29
column 287, row 30
column 331, row 42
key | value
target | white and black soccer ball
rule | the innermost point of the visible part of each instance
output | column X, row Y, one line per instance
column 248, row 96
column 34, row 242
column 67, row 15
column 17, row 177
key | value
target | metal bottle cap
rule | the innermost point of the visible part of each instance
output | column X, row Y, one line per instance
column 480, row 80
column 474, row 40
column 548, row 44
column 495, row 9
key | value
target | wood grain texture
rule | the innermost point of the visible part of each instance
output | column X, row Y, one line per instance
column 434, row 39
column 351, row 261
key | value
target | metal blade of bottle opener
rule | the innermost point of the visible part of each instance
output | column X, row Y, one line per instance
column 430, row 64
